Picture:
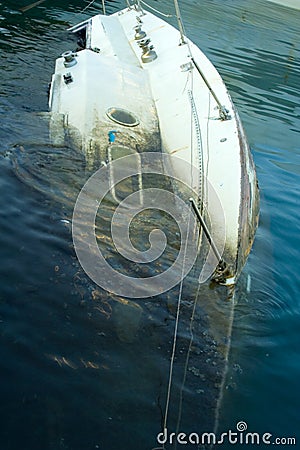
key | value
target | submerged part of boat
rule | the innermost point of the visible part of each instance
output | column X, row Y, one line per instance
column 133, row 85
column 136, row 86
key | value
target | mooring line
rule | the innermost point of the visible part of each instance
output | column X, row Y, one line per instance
column 176, row 332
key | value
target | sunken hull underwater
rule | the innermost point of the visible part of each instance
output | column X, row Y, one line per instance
column 134, row 74
column 135, row 84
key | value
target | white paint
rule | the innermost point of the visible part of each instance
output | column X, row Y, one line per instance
column 289, row 3
column 159, row 93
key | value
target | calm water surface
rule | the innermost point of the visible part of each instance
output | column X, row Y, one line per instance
column 63, row 342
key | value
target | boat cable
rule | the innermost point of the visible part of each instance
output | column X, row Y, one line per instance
column 195, row 118
column 195, row 302
column 156, row 10
column 208, row 122
column 86, row 7
column 191, row 79
column 223, row 111
column 175, row 339
column 195, row 124
column 32, row 5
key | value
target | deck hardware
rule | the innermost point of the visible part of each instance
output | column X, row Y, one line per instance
column 223, row 111
column 222, row 271
column 186, row 67
column 70, row 59
column 180, row 23
column 68, row 78
column 138, row 7
column 139, row 33
column 149, row 53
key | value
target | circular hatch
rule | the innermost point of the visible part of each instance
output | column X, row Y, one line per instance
column 123, row 117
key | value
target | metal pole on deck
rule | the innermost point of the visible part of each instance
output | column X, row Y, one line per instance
column 180, row 23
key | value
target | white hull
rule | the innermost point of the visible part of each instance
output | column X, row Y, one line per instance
column 175, row 110
column 295, row 4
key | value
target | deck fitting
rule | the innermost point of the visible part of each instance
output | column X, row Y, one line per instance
column 139, row 33
column 70, row 59
column 149, row 53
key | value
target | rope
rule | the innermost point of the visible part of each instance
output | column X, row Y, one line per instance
column 155, row 10
column 205, row 189
column 191, row 134
column 187, row 360
column 175, row 335
column 86, row 7
column 188, row 352
column 103, row 7
column 199, row 145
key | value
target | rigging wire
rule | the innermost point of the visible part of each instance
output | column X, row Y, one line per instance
column 194, row 124
column 156, row 10
column 205, row 188
column 32, row 5
column 223, row 111
column 175, row 332
column 86, row 7
column 188, row 353
column 199, row 146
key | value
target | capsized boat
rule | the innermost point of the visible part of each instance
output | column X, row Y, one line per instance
column 136, row 84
